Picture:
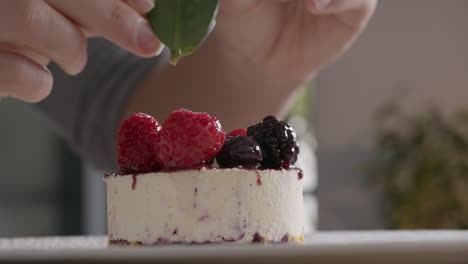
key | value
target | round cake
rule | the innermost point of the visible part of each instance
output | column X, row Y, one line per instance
column 185, row 181
column 206, row 206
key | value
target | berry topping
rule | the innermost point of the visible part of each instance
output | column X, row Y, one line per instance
column 278, row 142
column 188, row 139
column 240, row 151
column 135, row 144
column 237, row 132
column 257, row 238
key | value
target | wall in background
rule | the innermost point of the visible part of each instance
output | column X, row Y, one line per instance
column 418, row 48
column 40, row 193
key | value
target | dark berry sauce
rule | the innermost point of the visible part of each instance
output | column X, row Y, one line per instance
column 300, row 174
column 197, row 167
column 122, row 242
column 134, row 181
column 233, row 239
column 259, row 178
column 203, row 218
column 257, row 238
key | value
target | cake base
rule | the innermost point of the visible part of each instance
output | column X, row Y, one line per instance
column 206, row 206
column 256, row 239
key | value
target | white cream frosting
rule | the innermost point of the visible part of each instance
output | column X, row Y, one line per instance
column 198, row 206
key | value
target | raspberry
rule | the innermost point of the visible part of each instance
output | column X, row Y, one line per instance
column 277, row 140
column 237, row 132
column 135, row 144
column 240, row 151
column 188, row 139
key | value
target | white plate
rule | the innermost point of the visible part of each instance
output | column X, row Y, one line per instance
column 321, row 247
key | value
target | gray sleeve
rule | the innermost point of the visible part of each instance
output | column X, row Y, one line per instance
column 85, row 109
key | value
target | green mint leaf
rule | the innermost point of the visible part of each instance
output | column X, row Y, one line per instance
column 182, row 25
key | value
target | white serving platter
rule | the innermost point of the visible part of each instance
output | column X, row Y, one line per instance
column 322, row 247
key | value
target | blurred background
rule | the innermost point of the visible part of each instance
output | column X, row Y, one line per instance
column 388, row 120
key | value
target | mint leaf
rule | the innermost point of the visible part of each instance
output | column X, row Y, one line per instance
column 182, row 25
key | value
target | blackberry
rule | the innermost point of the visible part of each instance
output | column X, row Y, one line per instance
column 240, row 151
column 277, row 140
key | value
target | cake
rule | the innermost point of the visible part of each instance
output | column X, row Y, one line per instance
column 186, row 182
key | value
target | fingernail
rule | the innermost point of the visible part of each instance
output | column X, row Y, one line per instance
column 143, row 6
column 322, row 4
column 146, row 38
column 161, row 48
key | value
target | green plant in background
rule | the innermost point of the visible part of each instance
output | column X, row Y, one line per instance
column 421, row 165
column 303, row 104
column 300, row 114
column 182, row 25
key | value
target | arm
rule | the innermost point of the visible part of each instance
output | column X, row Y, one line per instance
column 258, row 54
column 212, row 80
column 238, row 75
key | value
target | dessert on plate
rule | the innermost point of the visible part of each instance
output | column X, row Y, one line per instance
column 185, row 181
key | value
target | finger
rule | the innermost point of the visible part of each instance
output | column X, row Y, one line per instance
column 34, row 56
column 354, row 13
column 114, row 20
column 22, row 78
column 141, row 6
column 34, row 26
column 337, row 6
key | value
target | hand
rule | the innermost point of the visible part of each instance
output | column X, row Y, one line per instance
column 35, row 32
column 251, row 65
column 291, row 39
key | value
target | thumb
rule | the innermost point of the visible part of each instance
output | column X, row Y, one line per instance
column 338, row 6
column 353, row 13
